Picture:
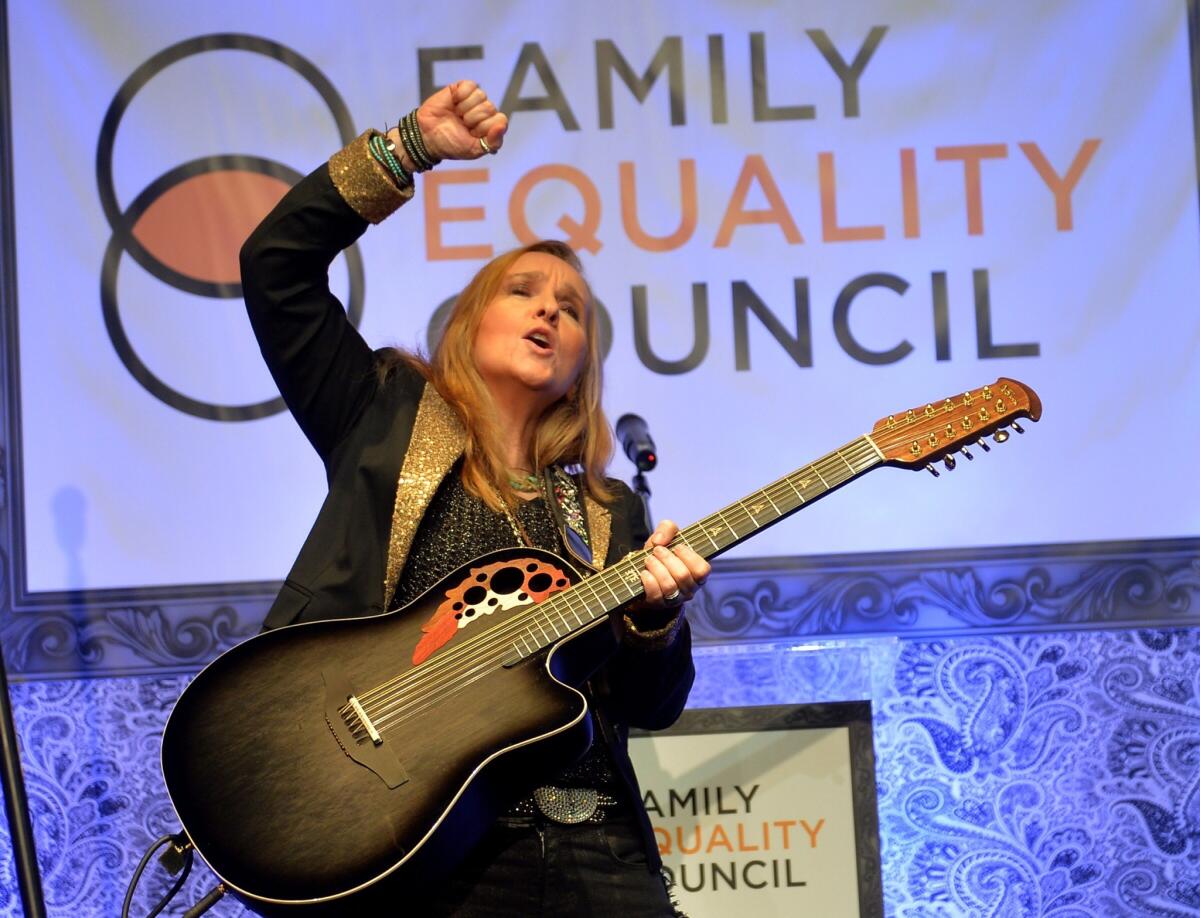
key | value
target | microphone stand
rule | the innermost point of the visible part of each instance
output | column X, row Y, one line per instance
column 634, row 436
column 16, row 807
column 641, row 487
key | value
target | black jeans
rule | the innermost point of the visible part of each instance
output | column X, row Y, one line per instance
column 542, row 868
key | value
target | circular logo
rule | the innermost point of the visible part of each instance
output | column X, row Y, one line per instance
column 187, row 226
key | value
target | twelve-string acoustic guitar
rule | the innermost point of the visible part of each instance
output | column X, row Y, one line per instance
column 324, row 767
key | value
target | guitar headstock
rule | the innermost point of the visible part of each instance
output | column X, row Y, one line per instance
column 920, row 436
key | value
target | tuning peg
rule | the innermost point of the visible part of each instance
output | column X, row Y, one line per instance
column 1000, row 436
column 932, row 471
column 966, row 453
column 1017, row 427
column 983, row 444
column 950, row 463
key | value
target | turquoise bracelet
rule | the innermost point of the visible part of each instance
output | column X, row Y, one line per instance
column 379, row 147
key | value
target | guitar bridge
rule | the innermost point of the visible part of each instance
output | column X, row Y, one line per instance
column 357, row 708
column 357, row 736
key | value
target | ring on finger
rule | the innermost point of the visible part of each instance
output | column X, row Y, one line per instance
column 483, row 143
column 674, row 598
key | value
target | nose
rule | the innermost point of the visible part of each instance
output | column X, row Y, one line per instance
column 548, row 309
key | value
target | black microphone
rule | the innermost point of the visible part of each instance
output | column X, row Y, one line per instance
column 635, row 440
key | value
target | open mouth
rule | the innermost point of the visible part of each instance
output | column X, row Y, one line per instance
column 540, row 341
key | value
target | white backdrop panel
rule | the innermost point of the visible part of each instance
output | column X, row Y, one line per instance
column 120, row 489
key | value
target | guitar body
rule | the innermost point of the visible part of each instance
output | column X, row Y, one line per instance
column 293, row 804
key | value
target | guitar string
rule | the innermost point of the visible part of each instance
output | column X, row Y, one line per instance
column 417, row 703
column 924, row 425
column 397, row 704
column 503, row 630
column 499, row 637
column 413, row 704
column 740, row 515
column 382, row 706
column 386, row 714
column 514, row 625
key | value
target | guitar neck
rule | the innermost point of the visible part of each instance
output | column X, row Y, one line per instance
column 613, row 587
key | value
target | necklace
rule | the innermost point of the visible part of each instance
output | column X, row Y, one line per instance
column 525, row 485
column 514, row 524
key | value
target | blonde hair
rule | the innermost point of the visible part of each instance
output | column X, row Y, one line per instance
column 572, row 431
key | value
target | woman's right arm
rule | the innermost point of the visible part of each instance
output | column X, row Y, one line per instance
column 322, row 366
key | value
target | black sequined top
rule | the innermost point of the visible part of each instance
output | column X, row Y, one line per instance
column 459, row 527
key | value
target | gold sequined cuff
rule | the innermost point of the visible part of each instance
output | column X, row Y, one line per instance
column 364, row 183
column 658, row 639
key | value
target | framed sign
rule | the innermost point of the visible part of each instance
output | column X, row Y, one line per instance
column 766, row 810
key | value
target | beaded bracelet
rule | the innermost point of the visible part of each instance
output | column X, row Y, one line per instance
column 410, row 147
column 414, row 143
column 384, row 152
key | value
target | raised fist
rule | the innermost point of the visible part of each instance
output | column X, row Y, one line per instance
column 456, row 118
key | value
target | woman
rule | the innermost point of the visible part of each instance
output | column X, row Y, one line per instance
column 432, row 463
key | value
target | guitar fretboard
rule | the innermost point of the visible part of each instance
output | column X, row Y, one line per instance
column 613, row 587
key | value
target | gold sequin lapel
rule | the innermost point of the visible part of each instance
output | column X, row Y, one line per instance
column 437, row 442
column 600, row 529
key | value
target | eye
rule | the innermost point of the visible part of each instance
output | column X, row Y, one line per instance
column 569, row 307
column 519, row 290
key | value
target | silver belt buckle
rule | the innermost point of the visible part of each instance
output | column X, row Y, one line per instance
column 567, row 805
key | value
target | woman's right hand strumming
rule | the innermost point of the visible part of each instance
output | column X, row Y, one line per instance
column 458, row 121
